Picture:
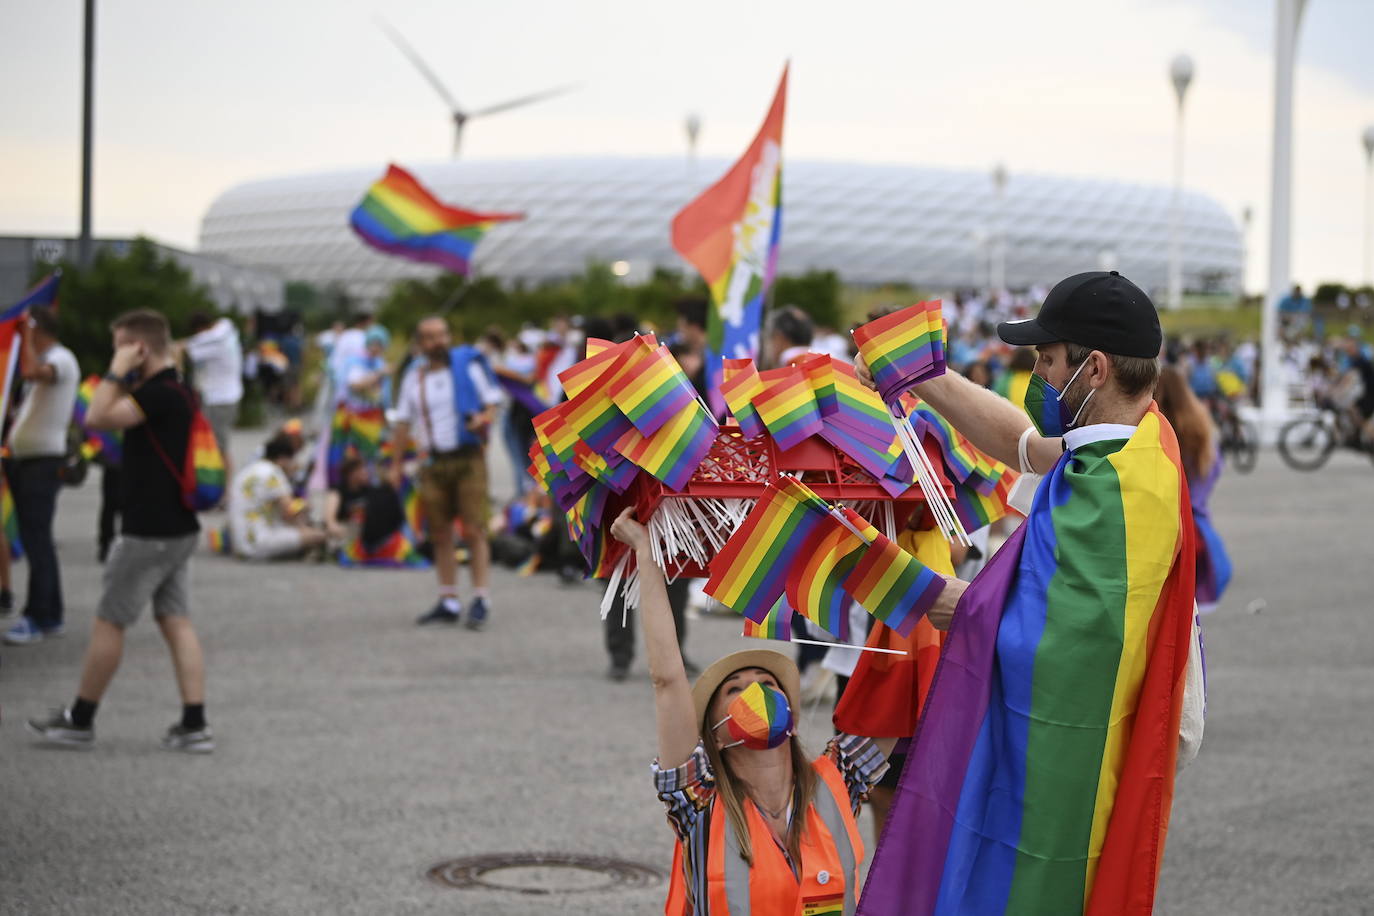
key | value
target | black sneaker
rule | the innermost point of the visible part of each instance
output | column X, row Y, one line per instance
column 189, row 740
column 618, row 672
column 6, row 602
column 439, row 614
column 59, row 729
column 477, row 614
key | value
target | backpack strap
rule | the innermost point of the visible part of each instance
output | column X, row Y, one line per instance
column 157, row 446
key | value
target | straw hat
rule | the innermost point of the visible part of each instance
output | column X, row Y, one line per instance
column 775, row 663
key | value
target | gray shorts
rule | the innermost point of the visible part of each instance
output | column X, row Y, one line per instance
column 221, row 419
column 139, row 570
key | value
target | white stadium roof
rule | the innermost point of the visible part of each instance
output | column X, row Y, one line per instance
column 872, row 224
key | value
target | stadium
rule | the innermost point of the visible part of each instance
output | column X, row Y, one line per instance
column 933, row 228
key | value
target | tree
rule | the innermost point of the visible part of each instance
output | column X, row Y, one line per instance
column 816, row 292
column 90, row 299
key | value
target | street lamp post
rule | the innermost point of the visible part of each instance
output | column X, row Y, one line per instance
column 1181, row 74
column 83, row 244
column 998, row 271
column 1368, row 252
column 1247, row 215
column 1273, row 398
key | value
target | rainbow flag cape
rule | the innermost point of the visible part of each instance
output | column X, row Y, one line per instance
column 776, row 624
column 749, row 574
column 354, row 431
column 107, row 445
column 731, row 234
column 1049, row 739
column 903, row 348
column 399, row 216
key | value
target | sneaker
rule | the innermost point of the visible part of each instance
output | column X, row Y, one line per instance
column 617, row 672
column 53, row 631
column 58, row 728
column 477, row 614
column 23, row 633
column 439, row 614
column 6, row 602
column 189, row 740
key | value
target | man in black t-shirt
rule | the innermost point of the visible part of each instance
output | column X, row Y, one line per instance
column 142, row 395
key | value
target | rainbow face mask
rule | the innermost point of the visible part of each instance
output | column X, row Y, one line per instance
column 1046, row 408
column 759, row 718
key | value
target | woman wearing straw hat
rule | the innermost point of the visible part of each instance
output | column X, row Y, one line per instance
column 762, row 828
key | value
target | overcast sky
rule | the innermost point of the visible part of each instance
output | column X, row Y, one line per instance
column 194, row 97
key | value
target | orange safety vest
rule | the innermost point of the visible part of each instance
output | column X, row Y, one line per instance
column 831, row 852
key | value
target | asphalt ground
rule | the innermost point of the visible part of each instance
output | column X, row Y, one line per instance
column 356, row 750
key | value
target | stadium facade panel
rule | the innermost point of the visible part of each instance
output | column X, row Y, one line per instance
column 934, row 228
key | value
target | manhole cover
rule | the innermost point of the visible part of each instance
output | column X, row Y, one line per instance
column 543, row 873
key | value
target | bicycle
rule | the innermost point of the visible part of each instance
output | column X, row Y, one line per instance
column 1307, row 442
column 1239, row 439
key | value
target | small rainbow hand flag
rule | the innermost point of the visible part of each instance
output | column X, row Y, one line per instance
column 676, row 450
column 903, row 348
column 400, row 216
column 820, row 372
column 651, row 389
column 776, row 624
column 893, row 585
column 788, row 406
column 815, row 582
column 749, row 573
column 740, row 385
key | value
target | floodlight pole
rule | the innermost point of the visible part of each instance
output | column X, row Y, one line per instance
column 87, row 117
column 1368, row 251
column 998, row 271
column 1181, row 74
column 1273, row 398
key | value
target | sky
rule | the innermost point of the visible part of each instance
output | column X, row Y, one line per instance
column 195, row 97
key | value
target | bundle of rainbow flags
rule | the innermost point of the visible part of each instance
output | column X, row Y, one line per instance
column 632, row 411
column 796, row 554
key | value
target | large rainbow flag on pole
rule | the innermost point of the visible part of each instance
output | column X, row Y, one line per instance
column 730, row 233
column 44, row 292
column 400, row 216
column 1048, row 744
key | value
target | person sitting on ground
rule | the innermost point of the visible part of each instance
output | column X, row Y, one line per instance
column 265, row 522
column 762, row 827
column 344, row 502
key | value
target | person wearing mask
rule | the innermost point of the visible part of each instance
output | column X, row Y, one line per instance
column 38, row 444
column 762, row 827
column 1052, row 793
column 142, row 395
column 216, row 356
column 448, row 403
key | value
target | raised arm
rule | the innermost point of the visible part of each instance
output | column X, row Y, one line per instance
column 32, row 368
column 678, row 730
column 990, row 421
column 111, row 408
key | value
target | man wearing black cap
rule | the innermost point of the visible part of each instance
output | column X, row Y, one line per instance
column 1056, row 718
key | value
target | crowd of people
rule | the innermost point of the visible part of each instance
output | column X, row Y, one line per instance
column 398, row 469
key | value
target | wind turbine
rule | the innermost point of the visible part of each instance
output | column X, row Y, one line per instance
column 456, row 112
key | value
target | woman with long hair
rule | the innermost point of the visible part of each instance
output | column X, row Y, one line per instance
column 1201, row 453
column 762, row 827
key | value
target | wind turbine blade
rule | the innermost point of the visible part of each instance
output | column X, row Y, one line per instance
column 418, row 62
column 524, row 100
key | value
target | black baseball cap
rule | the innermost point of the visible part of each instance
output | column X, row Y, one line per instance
column 1101, row 310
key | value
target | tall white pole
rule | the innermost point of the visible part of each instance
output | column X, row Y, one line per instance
column 1273, row 398
column 998, row 270
column 1180, row 74
column 1368, row 252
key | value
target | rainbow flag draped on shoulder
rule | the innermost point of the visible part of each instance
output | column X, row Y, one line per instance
column 1048, row 744
column 400, row 216
column 731, row 234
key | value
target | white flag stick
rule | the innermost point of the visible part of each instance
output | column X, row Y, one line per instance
column 845, row 645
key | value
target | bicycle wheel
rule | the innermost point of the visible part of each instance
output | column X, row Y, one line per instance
column 1305, row 444
column 1244, row 447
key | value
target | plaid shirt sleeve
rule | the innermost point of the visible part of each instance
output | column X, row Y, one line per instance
column 686, row 790
column 861, row 764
